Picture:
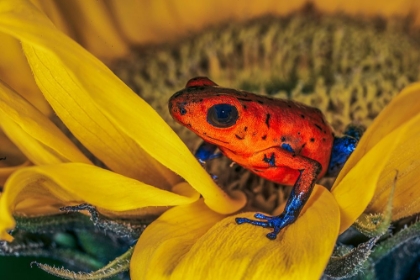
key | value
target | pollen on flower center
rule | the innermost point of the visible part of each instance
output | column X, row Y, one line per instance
column 349, row 68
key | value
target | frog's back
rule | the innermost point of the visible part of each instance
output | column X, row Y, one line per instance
column 293, row 126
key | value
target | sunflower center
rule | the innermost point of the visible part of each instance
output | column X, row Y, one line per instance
column 348, row 67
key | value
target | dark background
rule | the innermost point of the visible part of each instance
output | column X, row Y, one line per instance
column 19, row 268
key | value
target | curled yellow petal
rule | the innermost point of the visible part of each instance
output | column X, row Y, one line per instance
column 371, row 168
column 5, row 172
column 401, row 109
column 108, row 118
column 78, row 183
column 35, row 135
column 405, row 159
column 356, row 189
column 165, row 242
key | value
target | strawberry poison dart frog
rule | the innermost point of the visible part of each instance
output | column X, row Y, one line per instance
column 280, row 140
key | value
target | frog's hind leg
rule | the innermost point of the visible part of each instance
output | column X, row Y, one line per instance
column 343, row 147
column 308, row 173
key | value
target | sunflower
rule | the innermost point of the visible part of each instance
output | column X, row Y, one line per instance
column 127, row 162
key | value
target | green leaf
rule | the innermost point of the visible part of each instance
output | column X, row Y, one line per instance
column 123, row 228
column 386, row 247
column 115, row 267
column 347, row 262
column 53, row 223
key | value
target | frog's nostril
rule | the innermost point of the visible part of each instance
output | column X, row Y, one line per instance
column 182, row 109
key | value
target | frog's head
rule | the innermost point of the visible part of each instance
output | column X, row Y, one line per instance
column 218, row 115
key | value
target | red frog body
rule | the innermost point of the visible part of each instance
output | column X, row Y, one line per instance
column 280, row 140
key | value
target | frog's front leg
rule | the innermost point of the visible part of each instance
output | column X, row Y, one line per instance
column 206, row 152
column 308, row 172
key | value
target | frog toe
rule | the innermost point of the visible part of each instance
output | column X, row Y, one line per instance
column 272, row 235
column 277, row 223
column 261, row 216
column 240, row 221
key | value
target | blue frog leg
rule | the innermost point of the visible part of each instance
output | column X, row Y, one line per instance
column 342, row 148
column 206, row 152
column 300, row 194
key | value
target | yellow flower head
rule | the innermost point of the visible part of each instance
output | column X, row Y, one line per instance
column 144, row 156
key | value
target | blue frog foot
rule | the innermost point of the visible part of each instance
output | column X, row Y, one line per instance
column 277, row 223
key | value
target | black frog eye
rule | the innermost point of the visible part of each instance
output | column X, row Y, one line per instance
column 222, row 115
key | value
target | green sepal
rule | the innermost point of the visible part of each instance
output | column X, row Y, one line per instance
column 53, row 223
column 26, row 244
column 123, row 228
column 346, row 262
column 94, row 245
column 396, row 257
column 72, row 220
column 119, row 265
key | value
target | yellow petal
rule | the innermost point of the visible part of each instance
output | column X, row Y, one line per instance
column 35, row 135
column 19, row 77
column 181, row 246
column 363, row 172
column 108, row 118
column 165, row 242
column 56, row 15
column 146, row 21
column 406, row 159
column 79, row 183
column 81, row 19
column 301, row 251
column 160, row 20
column 385, row 8
column 9, row 150
column 401, row 109
column 93, row 17
column 356, row 189
column 69, row 98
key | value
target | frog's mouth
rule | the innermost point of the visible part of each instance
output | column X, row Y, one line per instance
column 217, row 140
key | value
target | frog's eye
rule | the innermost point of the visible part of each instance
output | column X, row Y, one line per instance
column 222, row 115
